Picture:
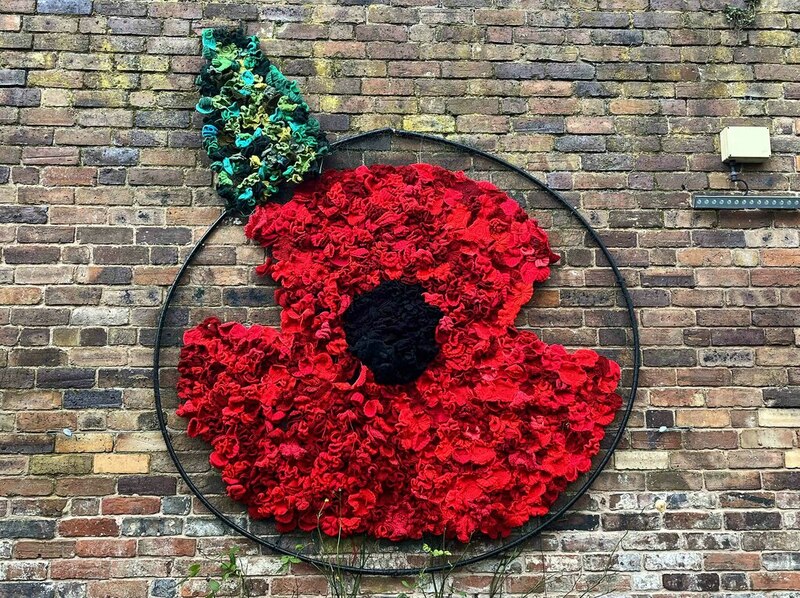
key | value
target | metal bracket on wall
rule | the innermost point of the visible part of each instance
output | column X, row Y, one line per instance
column 746, row 202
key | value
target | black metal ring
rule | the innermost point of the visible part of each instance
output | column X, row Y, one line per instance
column 162, row 422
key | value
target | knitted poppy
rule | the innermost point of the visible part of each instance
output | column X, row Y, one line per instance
column 397, row 398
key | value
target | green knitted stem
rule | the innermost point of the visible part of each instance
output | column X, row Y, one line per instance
column 258, row 131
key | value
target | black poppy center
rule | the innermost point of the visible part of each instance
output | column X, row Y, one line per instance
column 393, row 331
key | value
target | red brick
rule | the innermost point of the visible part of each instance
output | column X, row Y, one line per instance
column 62, row 175
column 134, row 505
column 775, row 277
column 80, row 569
column 105, row 548
column 25, row 486
column 775, row 580
column 88, row 527
column 56, row 549
column 118, row 588
column 85, row 486
column 739, row 480
column 167, row 547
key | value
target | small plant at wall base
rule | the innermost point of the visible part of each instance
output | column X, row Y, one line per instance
column 742, row 17
column 231, row 572
column 434, row 584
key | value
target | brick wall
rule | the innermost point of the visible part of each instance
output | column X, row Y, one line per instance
column 617, row 103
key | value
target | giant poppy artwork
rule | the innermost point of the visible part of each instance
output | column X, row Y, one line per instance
column 397, row 398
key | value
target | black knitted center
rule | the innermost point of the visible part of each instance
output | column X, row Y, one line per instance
column 392, row 331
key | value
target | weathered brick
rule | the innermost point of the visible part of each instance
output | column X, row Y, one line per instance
column 692, row 582
column 23, row 214
column 67, row 295
column 727, row 357
column 122, row 505
column 105, row 275
column 669, row 357
column 781, row 561
column 65, row 378
column 105, row 235
column 775, row 580
column 754, row 520
column 83, row 399
column 81, row 569
column 641, row 460
column 630, row 521
column 104, row 548
column 782, row 397
column 31, row 254
column 110, row 156
column 38, row 507
column 39, row 316
column 26, row 444
column 12, row 77
column 27, row 528
column 10, row 22
column 163, row 236
column 176, row 505
column 121, row 463
column 133, row 26
column 17, row 96
column 60, row 464
column 37, row 357
column 673, row 560
column 65, row 175
column 84, row 443
column 133, row 526
column 779, row 418
column 20, row 295
column 167, row 547
column 33, row 589
column 99, row 316
column 64, row 7
column 617, row 37
column 147, row 485
column 29, row 549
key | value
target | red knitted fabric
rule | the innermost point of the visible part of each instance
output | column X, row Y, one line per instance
column 488, row 436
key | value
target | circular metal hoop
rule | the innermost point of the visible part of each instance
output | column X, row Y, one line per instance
column 547, row 520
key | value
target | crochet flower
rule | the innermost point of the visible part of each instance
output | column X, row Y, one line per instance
column 398, row 398
column 258, row 131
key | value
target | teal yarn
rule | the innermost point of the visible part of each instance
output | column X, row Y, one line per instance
column 258, row 130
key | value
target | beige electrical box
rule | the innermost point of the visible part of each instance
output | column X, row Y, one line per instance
column 745, row 144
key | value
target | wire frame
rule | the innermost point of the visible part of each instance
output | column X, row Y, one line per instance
column 584, row 304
